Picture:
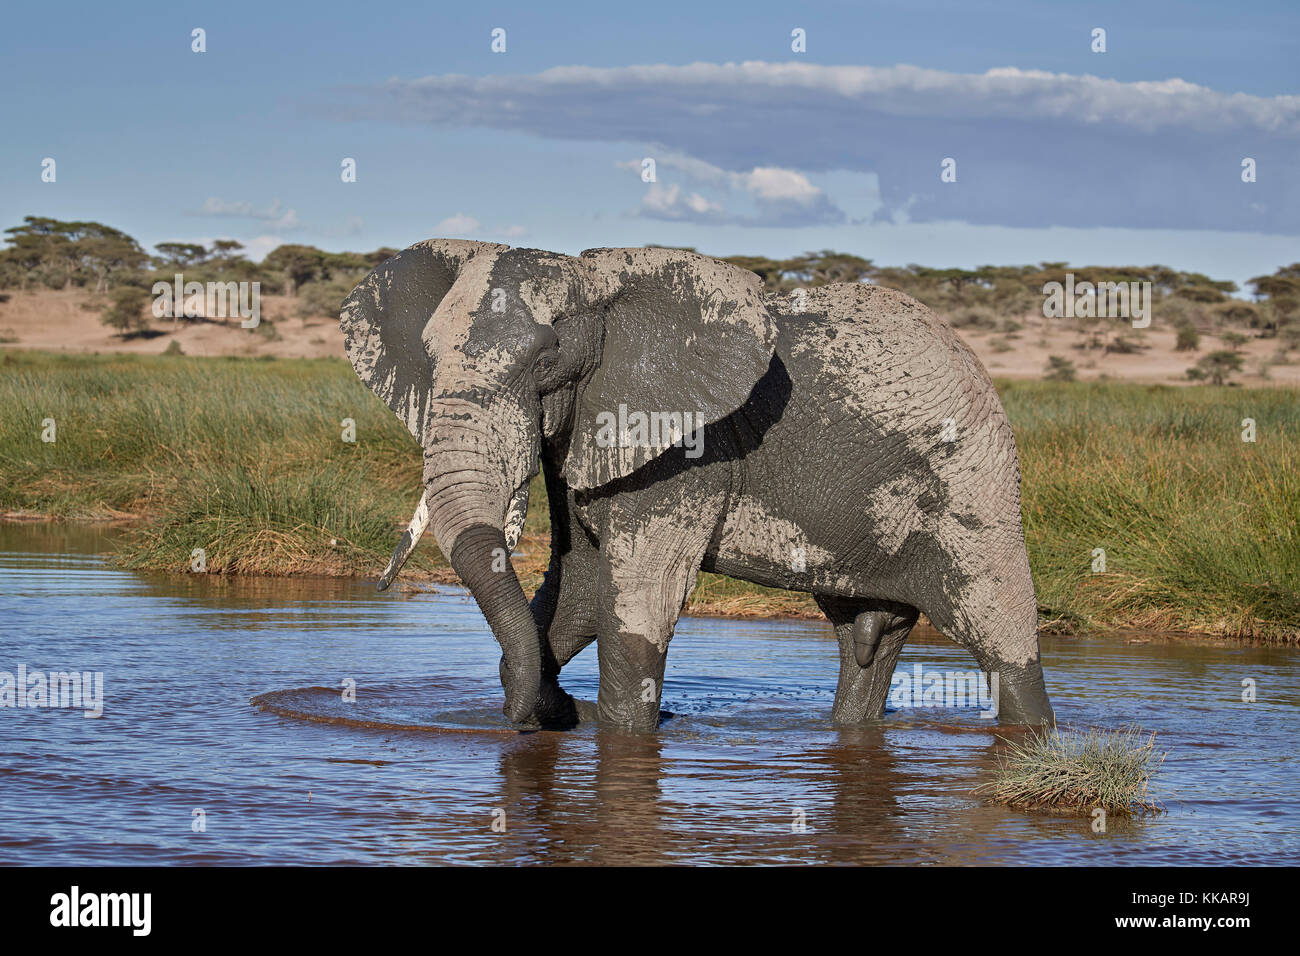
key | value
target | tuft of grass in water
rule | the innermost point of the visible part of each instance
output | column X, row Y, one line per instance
column 1078, row 771
column 245, row 458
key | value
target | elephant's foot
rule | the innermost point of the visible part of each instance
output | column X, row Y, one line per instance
column 631, row 682
column 635, row 721
column 556, row 708
column 629, row 708
column 1022, row 697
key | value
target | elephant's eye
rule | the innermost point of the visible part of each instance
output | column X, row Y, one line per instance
column 546, row 349
column 546, row 360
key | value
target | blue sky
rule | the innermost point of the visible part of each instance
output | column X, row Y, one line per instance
column 1127, row 156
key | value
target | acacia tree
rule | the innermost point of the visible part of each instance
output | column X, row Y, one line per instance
column 178, row 255
column 297, row 264
column 1279, row 298
column 109, row 253
column 125, row 311
column 69, row 253
column 40, row 247
column 1216, row 368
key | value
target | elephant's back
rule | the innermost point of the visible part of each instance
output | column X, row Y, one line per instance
column 879, row 349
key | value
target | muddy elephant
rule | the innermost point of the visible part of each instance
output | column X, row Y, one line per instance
column 841, row 441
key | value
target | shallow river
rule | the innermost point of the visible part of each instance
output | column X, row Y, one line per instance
column 182, row 768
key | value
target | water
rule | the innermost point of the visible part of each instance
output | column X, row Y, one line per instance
column 420, row 767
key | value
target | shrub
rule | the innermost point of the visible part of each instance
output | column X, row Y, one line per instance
column 1234, row 340
column 1189, row 339
column 323, row 298
column 1180, row 312
column 975, row 317
column 1059, row 369
column 1124, row 346
column 125, row 310
column 1239, row 313
column 1216, row 368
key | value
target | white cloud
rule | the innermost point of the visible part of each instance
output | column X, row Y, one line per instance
column 242, row 209
column 771, row 183
column 669, row 202
column 457, row 226
column 710, row 88
column 784, row 197
column 1033, row 148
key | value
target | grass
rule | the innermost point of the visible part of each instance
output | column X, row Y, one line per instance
column 1200, row 530
column 244, row 458
column 1077, row 772
column 241, row 457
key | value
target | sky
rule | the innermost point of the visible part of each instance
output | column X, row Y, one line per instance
column 1129, row 156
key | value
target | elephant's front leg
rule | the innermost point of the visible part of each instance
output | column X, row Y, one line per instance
column 631, row 679
column 564, row 609
column 555, row 707
column 645, row 578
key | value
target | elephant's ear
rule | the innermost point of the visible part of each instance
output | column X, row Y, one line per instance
column 384, row 317
column 683, row 333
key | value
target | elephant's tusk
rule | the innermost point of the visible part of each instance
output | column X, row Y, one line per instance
column 410, row 538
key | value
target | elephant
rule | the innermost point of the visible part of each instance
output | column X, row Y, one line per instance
column 842, row 441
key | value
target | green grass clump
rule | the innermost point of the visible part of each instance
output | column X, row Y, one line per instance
column 1078, row 772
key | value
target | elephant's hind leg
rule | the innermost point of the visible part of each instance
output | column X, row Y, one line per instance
column 871, row 635
column 995, row 616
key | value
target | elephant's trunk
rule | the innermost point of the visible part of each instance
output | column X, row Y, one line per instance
column 475, row 509
column 480, row 558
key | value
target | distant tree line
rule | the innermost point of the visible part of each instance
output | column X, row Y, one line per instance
column 52, row 254
column 980, row 297
column 45, row 253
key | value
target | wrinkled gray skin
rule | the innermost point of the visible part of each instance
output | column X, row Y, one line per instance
column 854, row 448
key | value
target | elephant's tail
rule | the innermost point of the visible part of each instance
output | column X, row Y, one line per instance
column 410, row 538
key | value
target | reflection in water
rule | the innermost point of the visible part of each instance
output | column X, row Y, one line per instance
column 567, row 809
column 422, row 768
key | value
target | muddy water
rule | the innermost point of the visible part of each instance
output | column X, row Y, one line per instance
column 421, row 765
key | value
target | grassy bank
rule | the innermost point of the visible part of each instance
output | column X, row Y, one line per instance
column 245, row 459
